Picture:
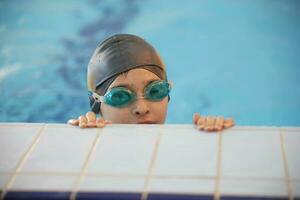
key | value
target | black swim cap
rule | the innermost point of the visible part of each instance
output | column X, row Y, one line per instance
column 116, row 55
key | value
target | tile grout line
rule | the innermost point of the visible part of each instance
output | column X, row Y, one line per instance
column 150, row 169
column 85, row 165
column 286, row 169
column 219, row 162
column 40, row 173
column 22, row 161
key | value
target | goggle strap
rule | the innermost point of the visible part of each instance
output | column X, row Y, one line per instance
column 170, row 84
column 97, row 97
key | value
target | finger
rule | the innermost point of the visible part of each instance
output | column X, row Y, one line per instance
column 200, row 128
column 219, row 123
column 82, row 121
column 201, row 123
column 210, row 122
column 228, row 123
column 73, row 122
column 91, row 119
column 107, row 122
column 100, row 122
column 208, row 129
column 196, row 116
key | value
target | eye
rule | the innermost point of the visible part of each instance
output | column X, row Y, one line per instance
column 118, row 97
column 157, row 90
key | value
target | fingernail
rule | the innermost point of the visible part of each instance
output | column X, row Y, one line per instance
column 218, row 128
column 91, row 124
column 202, row 127
column 100, row 125
column 208, row 129
column 82, row 125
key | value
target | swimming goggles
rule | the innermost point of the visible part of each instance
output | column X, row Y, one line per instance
column 121, row 96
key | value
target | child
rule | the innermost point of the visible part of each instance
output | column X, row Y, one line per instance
column 128, row 84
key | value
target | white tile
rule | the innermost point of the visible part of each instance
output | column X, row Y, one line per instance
column 61, row 149
column 43, row 182
column 248, row 187
column 124, row 150
column 22, row 124
column 186, row 151
column 3, row 179
column 292, row 145
column 252, row 128
column 14, row 141
column 252, row 154
column 291, row 128
column 183, row 186
column 296, row 188
column 112, row 184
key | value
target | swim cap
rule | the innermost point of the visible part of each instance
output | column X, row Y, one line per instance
column 116, row 55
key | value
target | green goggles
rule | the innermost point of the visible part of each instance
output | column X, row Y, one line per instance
column 121, row 96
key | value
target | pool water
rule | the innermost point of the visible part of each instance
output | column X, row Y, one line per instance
column 239, row 59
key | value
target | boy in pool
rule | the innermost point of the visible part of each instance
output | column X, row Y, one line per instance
column 128, row 84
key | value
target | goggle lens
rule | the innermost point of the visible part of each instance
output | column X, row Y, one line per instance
column 157, row 90
column 121, row 96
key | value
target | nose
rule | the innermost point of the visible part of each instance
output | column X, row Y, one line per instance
column 140, row 108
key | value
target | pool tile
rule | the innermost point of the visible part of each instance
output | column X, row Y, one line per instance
column 14, row 142
column 124, row 150
column 252, row 188
column 170, row 196
column 186, row 151
column 37, row 195
column 252, row 154
column 43, row 182
column 291, row 129
column 292, row 146
column 112, row 184
column 3, row 179
column 108, row 196
column 296, row 188
column 61, row 149
column 20, row 124
column 253, row 197
column 181, row 186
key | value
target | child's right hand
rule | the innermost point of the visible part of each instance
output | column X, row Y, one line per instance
column 89, row 121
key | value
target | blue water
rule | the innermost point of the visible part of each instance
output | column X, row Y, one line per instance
column 232, row 58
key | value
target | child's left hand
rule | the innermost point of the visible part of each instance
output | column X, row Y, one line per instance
column 212, row 123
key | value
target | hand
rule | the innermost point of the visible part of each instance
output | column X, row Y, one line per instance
column 212, row 123
column 89, row 121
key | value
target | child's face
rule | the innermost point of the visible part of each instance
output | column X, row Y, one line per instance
column 141, row 110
